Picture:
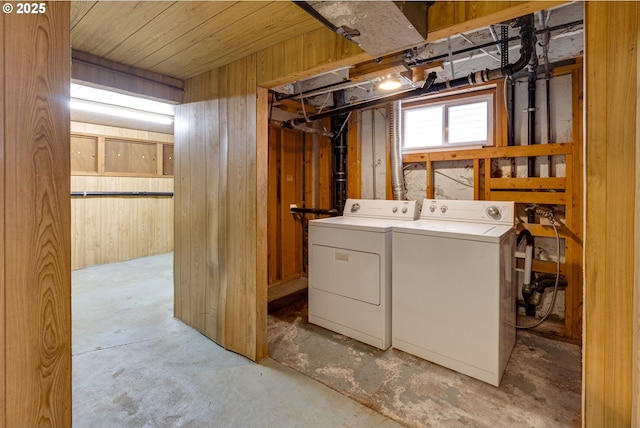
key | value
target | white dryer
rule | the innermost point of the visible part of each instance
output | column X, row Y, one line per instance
column 350, row 269
column 454, row 291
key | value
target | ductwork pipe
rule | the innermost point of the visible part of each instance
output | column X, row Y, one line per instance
column 397, row 172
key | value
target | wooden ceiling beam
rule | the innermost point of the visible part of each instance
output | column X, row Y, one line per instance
column 105, row 73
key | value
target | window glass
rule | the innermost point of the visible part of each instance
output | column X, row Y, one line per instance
column 423, row 127
column 468, row 123
column 440, row 123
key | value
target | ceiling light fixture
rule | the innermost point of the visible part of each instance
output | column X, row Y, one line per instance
column 117, row 99
column 112, row 110
column 390, row 84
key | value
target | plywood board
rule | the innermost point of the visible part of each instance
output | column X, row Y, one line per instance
column 225, row 127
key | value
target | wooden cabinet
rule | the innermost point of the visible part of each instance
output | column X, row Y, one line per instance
column 100, row 155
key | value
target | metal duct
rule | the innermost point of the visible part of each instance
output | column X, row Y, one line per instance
column 378, row 27
column 397, row 173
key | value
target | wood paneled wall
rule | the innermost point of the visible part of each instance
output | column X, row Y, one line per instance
column 220, row 263
column 106, row 230
column 611, row 62
column 142, row 226
column 35, row 266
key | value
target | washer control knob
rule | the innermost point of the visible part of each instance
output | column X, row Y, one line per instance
column 355, row 208
column 394, row 209
column 494, row 212
column 443, row 209
column 404, row 210
column 432, row 208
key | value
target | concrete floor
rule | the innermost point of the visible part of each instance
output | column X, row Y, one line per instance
column 541, row 386
column 134, row 365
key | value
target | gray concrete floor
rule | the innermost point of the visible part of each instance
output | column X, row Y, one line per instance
column 541, row 386
column 134, row 365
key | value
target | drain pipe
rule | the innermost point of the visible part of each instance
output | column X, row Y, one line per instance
column 339, row 144
column 527, row 288
column 531, row 110
column 397, row 172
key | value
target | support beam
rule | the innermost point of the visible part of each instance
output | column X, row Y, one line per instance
column 109, row 74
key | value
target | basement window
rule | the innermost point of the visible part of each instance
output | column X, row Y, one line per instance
column 446, row 123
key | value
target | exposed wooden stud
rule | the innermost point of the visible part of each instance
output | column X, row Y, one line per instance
column 354, row 184
column 476, row 179
column 543, row 266
column 556, row 183
column 528, row 197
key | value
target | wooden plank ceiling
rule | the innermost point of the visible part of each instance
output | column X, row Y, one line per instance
column 183, row 39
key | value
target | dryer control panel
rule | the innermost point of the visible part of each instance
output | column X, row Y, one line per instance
column 493, row 212
column 383, row 209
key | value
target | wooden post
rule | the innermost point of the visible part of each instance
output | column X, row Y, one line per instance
column 35, row 232
column 611, row 61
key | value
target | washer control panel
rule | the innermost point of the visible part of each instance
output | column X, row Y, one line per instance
column 383, row 209
column 495, row 212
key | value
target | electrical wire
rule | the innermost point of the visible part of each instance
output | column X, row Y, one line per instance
column 550, row 216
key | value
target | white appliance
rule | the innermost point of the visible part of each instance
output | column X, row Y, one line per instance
column 454, row 286
column 350, row 269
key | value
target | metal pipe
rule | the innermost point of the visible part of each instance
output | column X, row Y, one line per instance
column 531, row 110
column 426, row 61
column 94, row 194
column 318, row 211
column 547, row 72
column 301, row 128
column 340, row 149
column 512, row 114
column 397, row 171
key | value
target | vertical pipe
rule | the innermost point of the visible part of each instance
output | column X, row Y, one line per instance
column 532, row 127
column 397, row 173
column 339, row 145
column 512, row 113
column 373, row 152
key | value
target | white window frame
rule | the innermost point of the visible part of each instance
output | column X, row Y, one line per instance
column 446, row 103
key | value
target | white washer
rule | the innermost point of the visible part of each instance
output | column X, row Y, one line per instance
column 350, row 269
column 454, row 286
